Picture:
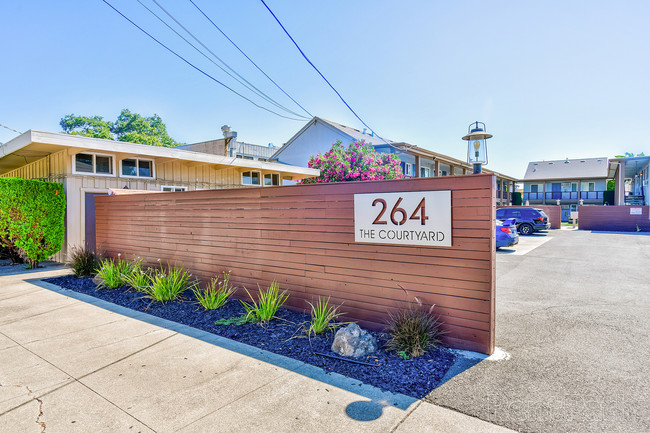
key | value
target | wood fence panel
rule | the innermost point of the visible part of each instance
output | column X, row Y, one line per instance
column 613, row 218
column 303, row 237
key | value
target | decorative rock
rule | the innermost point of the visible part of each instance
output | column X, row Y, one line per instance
column 353, row 341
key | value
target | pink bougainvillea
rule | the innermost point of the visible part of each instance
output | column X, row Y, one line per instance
column 358, row 161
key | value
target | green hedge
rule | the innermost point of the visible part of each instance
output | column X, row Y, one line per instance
column 31, row 217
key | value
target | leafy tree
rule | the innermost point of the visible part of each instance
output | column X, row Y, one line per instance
column 129, row 127
column 94, row 126
column 134, row 128
column 611, row 185
column 358, row 161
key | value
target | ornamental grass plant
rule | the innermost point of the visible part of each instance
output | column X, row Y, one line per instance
column 322, row 317
column 138, row 279
column 83, row 261
column 168, row 284
column 112, row 272
column 216, row 293
column 413, row 331
column 267, row 304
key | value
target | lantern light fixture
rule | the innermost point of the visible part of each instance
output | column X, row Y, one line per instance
column 477, row 146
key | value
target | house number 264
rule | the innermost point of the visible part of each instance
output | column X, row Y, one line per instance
column 398, row 215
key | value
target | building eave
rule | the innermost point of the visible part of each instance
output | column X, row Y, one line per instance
column 53, row 141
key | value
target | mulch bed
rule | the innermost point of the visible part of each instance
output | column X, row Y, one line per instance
column 415, row 377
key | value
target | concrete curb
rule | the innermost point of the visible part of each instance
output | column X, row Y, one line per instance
column 382, row 398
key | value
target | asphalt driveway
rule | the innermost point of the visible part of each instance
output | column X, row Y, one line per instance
column 573, row 317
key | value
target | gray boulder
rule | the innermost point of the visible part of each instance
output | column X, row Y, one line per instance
column 353, row 341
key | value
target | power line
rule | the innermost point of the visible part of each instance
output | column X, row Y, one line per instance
column 196, row 67
column 251, row 60
column 11, row 129
column 248, row 84
column 212, row 61
column 319, row 72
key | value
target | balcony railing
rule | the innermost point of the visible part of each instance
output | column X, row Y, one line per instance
column 566, row 196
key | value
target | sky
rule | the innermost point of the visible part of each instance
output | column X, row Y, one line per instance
column 551, row 79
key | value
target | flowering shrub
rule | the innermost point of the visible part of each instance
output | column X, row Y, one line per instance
column 358, row 161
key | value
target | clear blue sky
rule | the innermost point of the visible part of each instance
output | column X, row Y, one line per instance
column 550, row 79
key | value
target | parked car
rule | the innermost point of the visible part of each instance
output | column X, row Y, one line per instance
column 507, row 235
column 528, row 219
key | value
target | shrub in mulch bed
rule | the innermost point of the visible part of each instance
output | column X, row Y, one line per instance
column 415, row 377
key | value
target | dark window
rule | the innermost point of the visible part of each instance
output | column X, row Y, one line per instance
column 250, row 178
column 103, row 164
column 271, row 179
column 144, row 169
column 129, row 167
column 84, row 163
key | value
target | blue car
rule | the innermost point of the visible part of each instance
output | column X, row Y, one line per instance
column 507, row 235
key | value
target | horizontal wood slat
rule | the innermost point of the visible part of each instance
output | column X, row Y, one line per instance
column 614, row 218
column 303, row 237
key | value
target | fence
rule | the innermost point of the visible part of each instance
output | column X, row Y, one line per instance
column 303, row 237
column 614, row 218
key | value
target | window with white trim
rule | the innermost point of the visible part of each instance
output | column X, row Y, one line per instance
column 172, row 188
column 272, row 179
column 251, row 178
column 409, row 169
column 93, row 163
column 425, row 172
column 136, row 167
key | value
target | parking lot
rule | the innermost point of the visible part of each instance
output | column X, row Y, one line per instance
column 572, row 319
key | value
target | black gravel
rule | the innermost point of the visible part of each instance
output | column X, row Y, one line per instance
column 414, row 377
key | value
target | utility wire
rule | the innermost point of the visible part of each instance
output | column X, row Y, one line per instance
column 11, row 129
column 319, row 72
column 251, row 60
column 208, row 58
column 195, row 67
column 248, row 84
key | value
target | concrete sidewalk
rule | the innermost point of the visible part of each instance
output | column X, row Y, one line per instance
column 69, row 363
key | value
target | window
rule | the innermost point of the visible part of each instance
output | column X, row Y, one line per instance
column 288, row 181
column 248, row 157
column 588, row 186
column 409, row 169
column 134, row 167
column 425, row 172
column 250, row 178
column 534, row 188
column 92, row 163
column 271, row 179
column 168, row 188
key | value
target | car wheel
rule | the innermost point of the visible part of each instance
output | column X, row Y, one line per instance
column 525, row 229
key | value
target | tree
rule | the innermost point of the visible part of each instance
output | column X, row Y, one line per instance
column 358, row 161
column 134, row 128
column 129, row 127
column 94, row 126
